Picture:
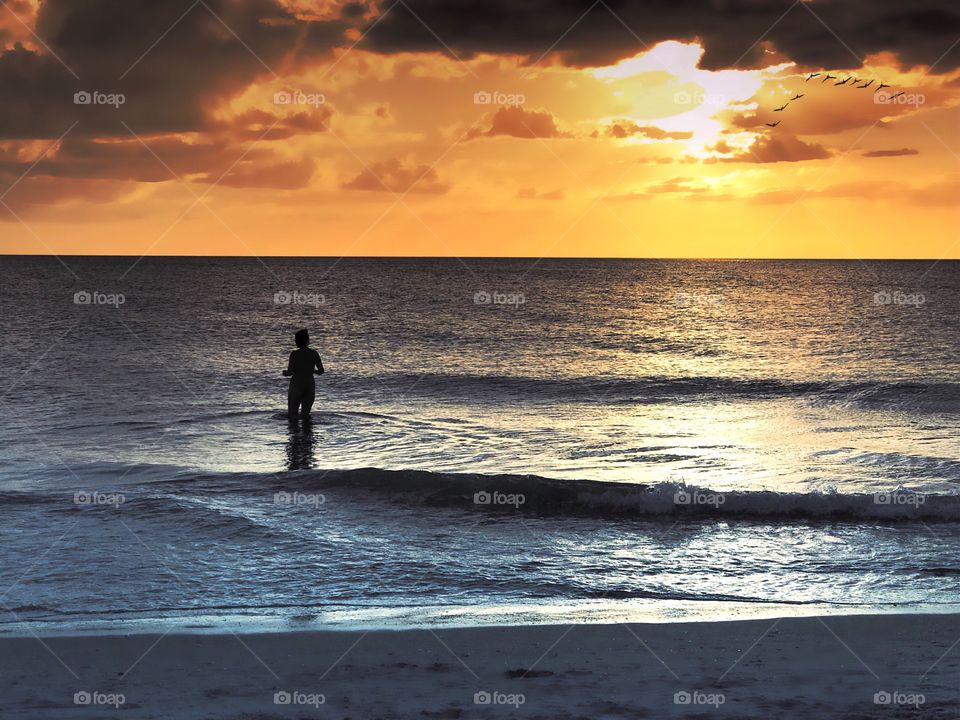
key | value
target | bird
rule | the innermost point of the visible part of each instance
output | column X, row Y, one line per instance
column 796, row 97
column 896, row 95
column 781, row 108
column 773, row 124
column 811, row 76
column 842, row 82
column 881, row 86
column 828, row 77
column 866, row 84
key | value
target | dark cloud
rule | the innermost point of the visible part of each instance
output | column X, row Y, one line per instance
column 515, row 121
column 779, row 147
column 278, row 175
column 258, row 124
column 395, row 177
column 159, row 160
column 171, row 61
column 819, row 33
column 891, row 153
column 163, row 68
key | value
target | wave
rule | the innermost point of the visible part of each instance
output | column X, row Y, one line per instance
column 535, row 494
column 177, row 490
column 913, row 395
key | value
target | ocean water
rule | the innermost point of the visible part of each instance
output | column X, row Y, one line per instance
column 492, row 439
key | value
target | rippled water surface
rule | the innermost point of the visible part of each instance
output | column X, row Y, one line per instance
column 789, row 399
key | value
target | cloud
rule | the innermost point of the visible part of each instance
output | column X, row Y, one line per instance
column 685, row 186
column 939, row 193
column 84, row 167
column 779, row 147
column 862, row 190
column 175, row 64
column 627, row 128
column 891, row 153
column 515, row 121
column 825, row 33
column 392, row 176
column 532, row 194
column 256, row 124
column 676, row 185
column 280, row 175
column 44, row 192
column 172, row 61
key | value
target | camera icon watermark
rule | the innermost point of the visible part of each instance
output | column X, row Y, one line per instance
column 298, row 97
column 885, row 97
column 94, row 697
column 95, row 297
column 499, row 498
column 696, row 697
column 696, row 99
column 896, row 697
column 95, row 97
column 899, row 498
column 898, row 297
column 299, row 499
column 295, row 297
column 296, row 697
column 485, row 297
column 495, row 697
column 484, row 97
column 96, row 498
column 697, row 497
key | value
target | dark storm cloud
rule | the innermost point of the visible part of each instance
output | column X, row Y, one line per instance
column 901, row 152
column 821, row 33
column 170, row 60
column 160, row 160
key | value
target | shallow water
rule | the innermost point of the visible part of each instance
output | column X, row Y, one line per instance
column 732, row 377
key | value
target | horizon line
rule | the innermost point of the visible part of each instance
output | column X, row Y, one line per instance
column 483, row 257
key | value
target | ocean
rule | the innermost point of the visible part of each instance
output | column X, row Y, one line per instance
column 493, row 439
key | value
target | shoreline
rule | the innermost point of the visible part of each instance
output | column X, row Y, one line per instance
column 464, row 617
column 837, row 666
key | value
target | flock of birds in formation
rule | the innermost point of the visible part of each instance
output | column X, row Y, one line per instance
column 851, row 80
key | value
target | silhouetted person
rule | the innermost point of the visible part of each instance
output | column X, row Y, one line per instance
column 304, row 363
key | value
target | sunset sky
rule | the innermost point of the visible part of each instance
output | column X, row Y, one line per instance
column 480, row 128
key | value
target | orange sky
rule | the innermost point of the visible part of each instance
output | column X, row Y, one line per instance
column 365, row 152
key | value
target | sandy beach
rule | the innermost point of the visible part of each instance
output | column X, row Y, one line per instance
column 830, row 667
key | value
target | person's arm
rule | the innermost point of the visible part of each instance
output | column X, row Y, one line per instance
column 318, row 362
column 289, row 371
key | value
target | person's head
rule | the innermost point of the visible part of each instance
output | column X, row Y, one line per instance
column 302, row 338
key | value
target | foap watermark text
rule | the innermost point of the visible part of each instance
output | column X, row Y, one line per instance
column 495, row 497
column 295, row 297
column 95, row 297
column 484, row 297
